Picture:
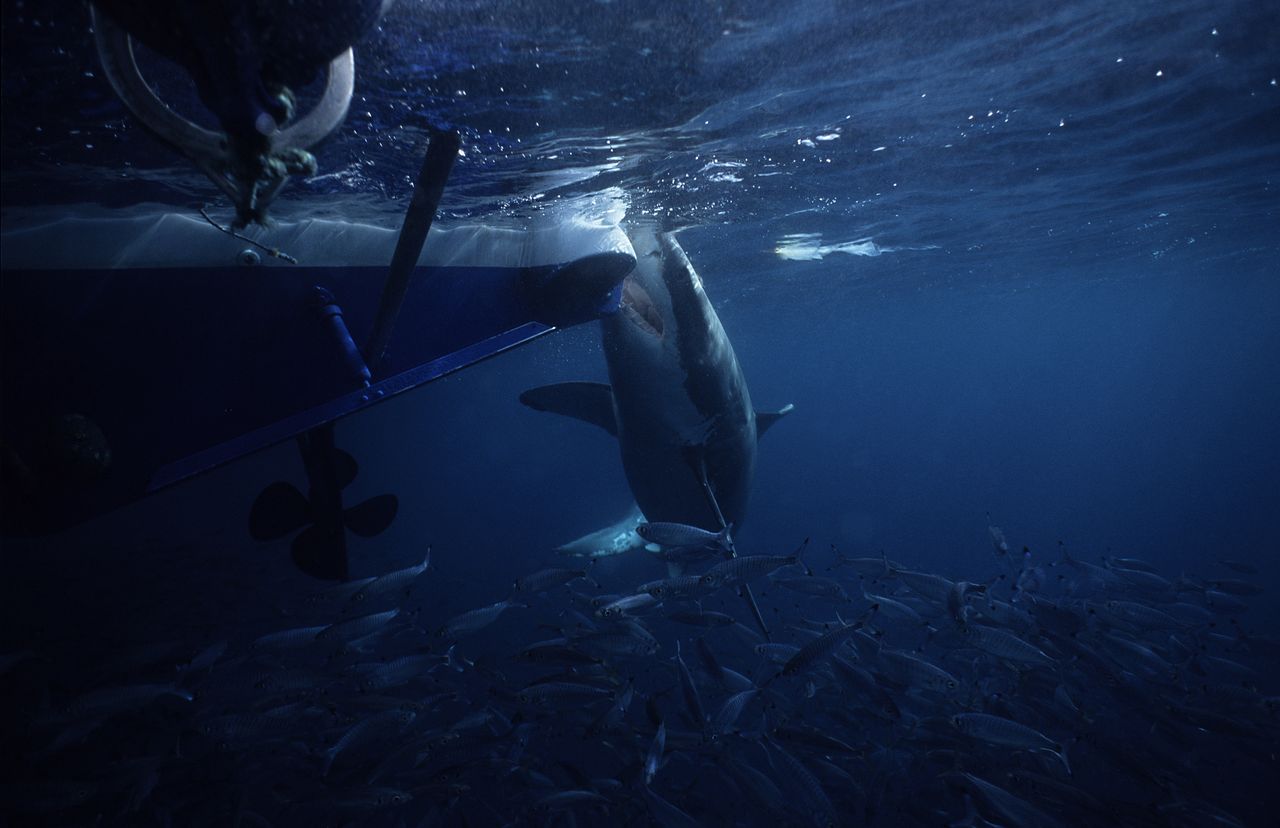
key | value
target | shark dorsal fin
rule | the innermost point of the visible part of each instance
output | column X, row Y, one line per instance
column 766, row 419
column 591, row 402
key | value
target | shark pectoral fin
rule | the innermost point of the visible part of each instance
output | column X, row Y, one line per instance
column 277, row 511
column 766, row 419
column 373, row 516
column 590, row 402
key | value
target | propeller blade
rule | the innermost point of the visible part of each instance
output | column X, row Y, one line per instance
column 373, row 516
column 278, row 510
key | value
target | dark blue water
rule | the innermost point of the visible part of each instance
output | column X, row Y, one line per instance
column 1071, row 322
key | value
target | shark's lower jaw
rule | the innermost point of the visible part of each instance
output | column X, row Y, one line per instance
column 640, row 309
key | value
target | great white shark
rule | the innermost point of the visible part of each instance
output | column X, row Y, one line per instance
column 677, row 399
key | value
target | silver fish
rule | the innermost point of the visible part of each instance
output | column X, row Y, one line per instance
column 1139, row 615
column 1223, row 603
column 552, row 691
column 1000, row 731
column 337, row 595
column 998, row 541
column 777, row 653
column 692, row 701
column 613, row 717
column 925, row 584
column 1011, row 809
column 874, row 568
column 397, row 672
column 818, row 805
column 909, row 671
column 368, row 732
column 667, row 588
column 749, row 567
column 729, row 713
column 1235, row 586
column 653, row 759
column 475, row 620
column 819, row 648
column 284, row 640
column 891, row 607
column 710, row 664
column 814, row 585
column 558, row 651
column 568, row 799
column 1129, row 564
column 626, row 604
column 109, row 701
column 956, row 598
column 683, row 535
column 372, row 798
column 354, row 628
column 665, row 814
column 700, row 619
column 1005, row 645
column 618, row 643
column 388, row 585
column 1145, row 581
column 546, row 579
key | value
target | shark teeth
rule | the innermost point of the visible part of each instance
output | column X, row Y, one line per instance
column 640, row 309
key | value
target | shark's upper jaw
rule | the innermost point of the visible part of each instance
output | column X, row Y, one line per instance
column 640, row 309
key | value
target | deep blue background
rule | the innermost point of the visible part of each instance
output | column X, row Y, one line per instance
column 1073, row 327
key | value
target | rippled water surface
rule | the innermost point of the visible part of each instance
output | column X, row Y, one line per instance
column 1082, row 132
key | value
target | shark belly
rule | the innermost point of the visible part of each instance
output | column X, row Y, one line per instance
column 677, row 400
column 680, row 399
column 662, row 472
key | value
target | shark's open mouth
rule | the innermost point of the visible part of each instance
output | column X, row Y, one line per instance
column 639, row 307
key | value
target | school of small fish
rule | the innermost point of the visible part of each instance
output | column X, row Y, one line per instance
column 1055, row 692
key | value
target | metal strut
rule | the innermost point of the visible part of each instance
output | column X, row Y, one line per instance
column 441, row 153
